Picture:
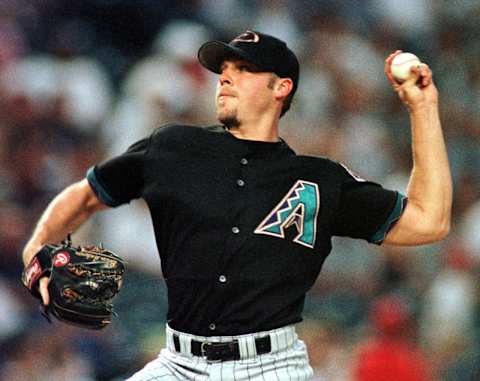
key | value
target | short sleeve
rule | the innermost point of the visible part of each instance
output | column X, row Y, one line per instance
column 119, row 180
column 366, row 210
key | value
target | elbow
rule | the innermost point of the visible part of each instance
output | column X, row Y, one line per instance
column 444, row 229
column 434, row 222
column 417, row 227
column 430, row 229
column 444, row 224
column 441, row 233
column 439, row 229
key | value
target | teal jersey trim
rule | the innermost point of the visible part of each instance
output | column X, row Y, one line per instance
column 99, row 190
column 397, row 211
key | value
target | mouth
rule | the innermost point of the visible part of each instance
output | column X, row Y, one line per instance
column 225, row 95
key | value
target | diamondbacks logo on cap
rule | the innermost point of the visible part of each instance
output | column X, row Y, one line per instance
column 248, row 36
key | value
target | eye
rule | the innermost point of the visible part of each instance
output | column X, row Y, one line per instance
column 247, row 67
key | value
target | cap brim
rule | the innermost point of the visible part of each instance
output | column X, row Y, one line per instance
column 212, row 54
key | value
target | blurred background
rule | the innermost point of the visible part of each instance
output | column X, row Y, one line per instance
column 81, row 80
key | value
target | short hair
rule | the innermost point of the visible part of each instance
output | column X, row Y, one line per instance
column 287, row 102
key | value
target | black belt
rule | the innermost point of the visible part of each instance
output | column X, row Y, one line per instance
column 223, row 351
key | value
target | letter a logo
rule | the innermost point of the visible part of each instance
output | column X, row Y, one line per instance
column 299, row 207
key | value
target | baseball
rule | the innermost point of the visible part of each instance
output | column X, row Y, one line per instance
column 401, row 65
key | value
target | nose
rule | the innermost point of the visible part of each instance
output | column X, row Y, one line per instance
column 225, row 77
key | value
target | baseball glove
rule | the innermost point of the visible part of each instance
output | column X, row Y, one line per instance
column 82, row 284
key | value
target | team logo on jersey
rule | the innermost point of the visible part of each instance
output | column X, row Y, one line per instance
column 299, row 207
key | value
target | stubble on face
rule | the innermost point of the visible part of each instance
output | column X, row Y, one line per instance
column 227, row 116
column 230, row 121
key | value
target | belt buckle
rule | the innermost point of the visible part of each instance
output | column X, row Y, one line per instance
column 203, row 350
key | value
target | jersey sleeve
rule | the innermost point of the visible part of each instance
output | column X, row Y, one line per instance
column 119, row 180
column 365, row 209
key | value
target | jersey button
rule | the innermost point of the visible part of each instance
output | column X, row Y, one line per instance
column 222, row 278
column 212, row 327
column 235, row 230
column 244, row 161
column 240, row 183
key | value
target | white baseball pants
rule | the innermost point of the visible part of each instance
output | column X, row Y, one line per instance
column 287, row 360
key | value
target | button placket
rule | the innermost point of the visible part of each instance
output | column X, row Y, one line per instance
column 240, row 181
column 237, row 218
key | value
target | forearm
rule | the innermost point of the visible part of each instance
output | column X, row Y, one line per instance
column 66, row 213
column 430, row 185
column 426, row 218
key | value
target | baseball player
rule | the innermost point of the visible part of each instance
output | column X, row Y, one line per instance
column 243, row 224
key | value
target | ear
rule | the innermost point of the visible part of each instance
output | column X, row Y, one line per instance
column 283, row 87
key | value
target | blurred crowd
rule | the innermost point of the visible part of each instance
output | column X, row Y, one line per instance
column 81, row 81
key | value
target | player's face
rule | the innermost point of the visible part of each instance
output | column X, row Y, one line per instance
column 243, row 93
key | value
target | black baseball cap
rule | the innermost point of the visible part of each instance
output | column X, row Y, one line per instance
column 266, row 52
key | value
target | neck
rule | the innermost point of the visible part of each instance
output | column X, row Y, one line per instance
column 259, row 130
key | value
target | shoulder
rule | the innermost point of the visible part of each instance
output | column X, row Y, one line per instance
column 182, row 131
column 321, row 162
column 187, row 138
column 172, row 130
column 330, row 169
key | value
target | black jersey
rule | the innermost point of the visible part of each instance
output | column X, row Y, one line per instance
column 242, row 227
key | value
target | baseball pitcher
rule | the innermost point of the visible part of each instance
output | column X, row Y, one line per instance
column 243, row 224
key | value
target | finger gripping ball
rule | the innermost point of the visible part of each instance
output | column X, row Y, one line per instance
column 401, row 65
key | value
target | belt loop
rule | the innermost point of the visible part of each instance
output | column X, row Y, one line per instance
column 274, row 343
column 243, row 348
column 170, row 343
column 185, row 345
column 251, row 347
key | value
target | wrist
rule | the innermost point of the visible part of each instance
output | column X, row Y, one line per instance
column 30, row 251
column 422, row 107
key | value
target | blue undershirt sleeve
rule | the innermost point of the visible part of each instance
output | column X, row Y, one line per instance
column 394, row 216
column 99, row 189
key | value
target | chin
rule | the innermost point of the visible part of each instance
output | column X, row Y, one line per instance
column 228, row 119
